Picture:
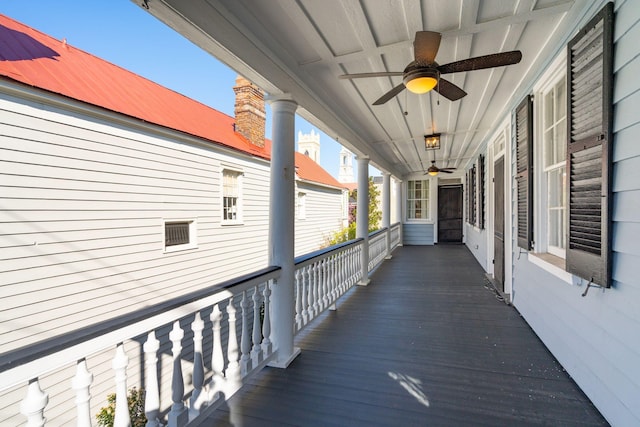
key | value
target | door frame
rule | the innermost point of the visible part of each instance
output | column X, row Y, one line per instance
column 503, row 134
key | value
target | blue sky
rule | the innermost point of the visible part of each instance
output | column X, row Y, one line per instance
column 123, row 33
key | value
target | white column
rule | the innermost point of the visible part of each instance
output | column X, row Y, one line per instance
column 362, row 216
column 386, row 210
column 281, row 228
column 399, row 202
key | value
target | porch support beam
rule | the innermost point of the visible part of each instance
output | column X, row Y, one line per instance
column 386, row 210
column 281, row 227
column 362, row 216
column 399, row 207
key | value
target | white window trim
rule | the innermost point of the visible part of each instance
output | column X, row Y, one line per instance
column 430, row 201
column 301, row 205
column 542, row 255
column 240, row 205
column 555, row 71
column 193, row 235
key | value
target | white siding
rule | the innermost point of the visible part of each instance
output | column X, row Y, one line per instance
column 597, row 338
column 82, row 205
column 417, row 233
column 323, row 217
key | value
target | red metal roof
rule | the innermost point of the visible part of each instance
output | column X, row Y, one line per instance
column 309, row 170
column 39, row 60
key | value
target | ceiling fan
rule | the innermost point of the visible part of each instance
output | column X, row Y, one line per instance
column 434, row 170
column 423, row 73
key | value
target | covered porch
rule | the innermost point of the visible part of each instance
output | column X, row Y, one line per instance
column 426, row 343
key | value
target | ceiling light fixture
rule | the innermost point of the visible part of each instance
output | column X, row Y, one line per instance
column 432, row 142
column 420, row 80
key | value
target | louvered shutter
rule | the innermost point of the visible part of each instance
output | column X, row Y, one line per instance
column 590, row 119
column 481, row 212
column 524, row 172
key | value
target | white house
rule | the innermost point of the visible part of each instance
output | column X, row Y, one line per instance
column 117, row 193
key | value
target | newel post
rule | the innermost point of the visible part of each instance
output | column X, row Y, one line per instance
column 386, row 211
column 281, row 227
column 362, row 217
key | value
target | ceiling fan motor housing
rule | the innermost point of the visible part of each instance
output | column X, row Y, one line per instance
column 419, row 70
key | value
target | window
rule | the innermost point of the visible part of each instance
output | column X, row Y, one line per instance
column 472, row 193
column 302, row 206
column 231, row 196
column 553, row 198
column 179, row 235
column 418, row 199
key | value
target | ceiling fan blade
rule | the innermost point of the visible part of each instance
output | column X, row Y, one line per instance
column 387, row 96
column 378, row 74
column 482, row 62
column 449, row 90
column 426, row 45
column 445, row 171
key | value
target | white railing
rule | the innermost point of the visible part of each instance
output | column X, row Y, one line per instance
column 396, row 229
column 236, row 310
column 204, row 345
column 377, row 248
column 324, row 276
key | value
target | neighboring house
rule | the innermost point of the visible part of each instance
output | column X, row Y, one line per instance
column 117, row 193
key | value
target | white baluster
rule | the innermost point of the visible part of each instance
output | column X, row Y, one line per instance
column 298, row 301
column 33, row 404
column 266, row 323
column 245, row 346
column 256, row 351
column 81, row 383
column 151, row 393
column 198, row 363
column 332, row 280
column 217, row 358
column 178, row 415
column 305, row 291
column 325, row 284
column 119, row 365
column 310, row 310
column 317, row 293
column 232, row 374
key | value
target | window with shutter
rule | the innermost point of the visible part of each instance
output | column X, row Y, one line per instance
column 481, row 178
column 524, row 170
column 589, row 125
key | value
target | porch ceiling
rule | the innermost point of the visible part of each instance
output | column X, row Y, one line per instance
column 301, row 47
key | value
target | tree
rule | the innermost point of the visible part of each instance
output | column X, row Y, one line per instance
column 375, row 215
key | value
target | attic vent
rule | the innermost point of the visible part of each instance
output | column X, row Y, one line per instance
column 176, row 233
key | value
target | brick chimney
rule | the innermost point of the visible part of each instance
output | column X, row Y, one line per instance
column 249, row 111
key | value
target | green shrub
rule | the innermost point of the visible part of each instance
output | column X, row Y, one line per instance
column 135, row 399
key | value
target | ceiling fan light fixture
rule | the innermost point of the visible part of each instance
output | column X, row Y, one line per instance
column 433, row 173
column 421, row 80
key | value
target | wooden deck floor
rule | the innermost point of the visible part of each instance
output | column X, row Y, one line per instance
column 425, row 344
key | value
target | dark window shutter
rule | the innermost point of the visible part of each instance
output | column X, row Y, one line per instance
column 524, row 172
column 467, row 196
column 590, row 134
column 474, row 196
column 481, row 212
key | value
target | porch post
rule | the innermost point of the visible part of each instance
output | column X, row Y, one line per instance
column 399, row 204
column 281, row 228
column 386, row 210
column 362, row 216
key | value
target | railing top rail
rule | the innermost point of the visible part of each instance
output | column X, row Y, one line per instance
column 379, row 231
column 310, row 257
column 57, row 344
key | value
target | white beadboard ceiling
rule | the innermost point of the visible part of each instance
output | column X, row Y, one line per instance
column 298, row 48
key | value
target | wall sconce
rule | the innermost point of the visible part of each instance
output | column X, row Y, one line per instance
column 432, row 142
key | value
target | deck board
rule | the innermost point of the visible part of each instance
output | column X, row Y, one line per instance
column 425, row 344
